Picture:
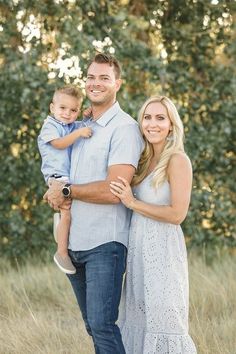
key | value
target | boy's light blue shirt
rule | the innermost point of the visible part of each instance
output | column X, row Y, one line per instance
column 116, row 140
column 55, row 161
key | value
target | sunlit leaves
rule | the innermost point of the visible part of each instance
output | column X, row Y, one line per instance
column 183, row 49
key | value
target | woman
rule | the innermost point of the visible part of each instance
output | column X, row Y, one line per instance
column 154, row 309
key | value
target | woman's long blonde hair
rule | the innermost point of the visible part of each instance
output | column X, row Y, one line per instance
column 174, row 143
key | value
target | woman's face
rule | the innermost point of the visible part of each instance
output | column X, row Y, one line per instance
column 156, row 124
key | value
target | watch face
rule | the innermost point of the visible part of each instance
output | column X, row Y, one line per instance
column 66, row 191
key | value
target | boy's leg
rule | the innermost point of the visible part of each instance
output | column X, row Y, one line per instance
column 62, row 232
column 56, row 220
column 61, row 257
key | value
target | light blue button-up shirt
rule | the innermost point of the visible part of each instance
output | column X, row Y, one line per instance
column 116, row 140
column 55, row 161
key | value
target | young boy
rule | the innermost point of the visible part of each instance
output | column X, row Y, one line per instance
column 59, row 131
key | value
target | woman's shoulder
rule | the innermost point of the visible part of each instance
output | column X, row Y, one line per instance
column 179, row 159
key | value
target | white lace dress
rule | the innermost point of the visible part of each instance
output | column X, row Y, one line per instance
column 154, row 307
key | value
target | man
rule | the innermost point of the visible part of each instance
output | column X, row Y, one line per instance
column 100, row 223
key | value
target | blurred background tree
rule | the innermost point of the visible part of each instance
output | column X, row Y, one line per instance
column 185, row 49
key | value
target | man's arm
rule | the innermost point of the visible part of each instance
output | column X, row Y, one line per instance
column 95, row 192
column 99, row 192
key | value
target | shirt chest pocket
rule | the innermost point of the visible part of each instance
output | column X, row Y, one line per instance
column 96, row 160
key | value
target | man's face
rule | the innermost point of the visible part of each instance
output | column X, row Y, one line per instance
column 101, row 84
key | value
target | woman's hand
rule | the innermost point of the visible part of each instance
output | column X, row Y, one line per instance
column 123, row 191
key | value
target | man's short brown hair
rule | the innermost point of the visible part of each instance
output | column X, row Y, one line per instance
column 101, row 58
column 69, row 90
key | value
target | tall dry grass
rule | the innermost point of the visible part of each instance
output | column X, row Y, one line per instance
column 39, row 315
column 213, row 304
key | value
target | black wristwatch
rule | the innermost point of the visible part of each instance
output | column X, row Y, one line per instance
column 66, row 191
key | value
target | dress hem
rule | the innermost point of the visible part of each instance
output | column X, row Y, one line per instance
column 140, row 341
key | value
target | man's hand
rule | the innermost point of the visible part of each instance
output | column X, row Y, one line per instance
column 54, row 196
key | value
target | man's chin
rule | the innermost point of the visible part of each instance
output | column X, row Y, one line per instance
column 95, row 102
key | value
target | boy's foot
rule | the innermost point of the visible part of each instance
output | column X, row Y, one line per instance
column 64, row 263
column 56, row 219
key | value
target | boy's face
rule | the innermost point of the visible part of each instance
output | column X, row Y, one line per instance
column 65, row 108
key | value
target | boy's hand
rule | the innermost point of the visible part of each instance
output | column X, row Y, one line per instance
column 85, row 132
column 87, row 112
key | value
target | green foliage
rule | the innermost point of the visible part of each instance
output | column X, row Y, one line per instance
column 184, row 49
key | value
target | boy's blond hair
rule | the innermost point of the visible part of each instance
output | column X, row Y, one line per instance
column 69, row 90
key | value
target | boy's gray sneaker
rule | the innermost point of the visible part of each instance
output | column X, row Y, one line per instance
column 64, row 263
column 56, row 219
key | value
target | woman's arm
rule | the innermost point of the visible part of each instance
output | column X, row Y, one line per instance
column 180, row 178
column 66, row 141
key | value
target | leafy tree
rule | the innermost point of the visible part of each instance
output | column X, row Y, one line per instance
column 184, row 49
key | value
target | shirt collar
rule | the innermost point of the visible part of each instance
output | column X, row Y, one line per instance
column 58, row 121
column 108, row 115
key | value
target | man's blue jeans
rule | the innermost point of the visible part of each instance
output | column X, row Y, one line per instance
column 97, row 285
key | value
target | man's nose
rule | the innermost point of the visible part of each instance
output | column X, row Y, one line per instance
column 96, row 81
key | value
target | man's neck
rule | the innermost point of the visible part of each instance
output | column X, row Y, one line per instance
column 99, row 110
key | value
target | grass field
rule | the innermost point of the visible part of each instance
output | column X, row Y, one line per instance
column 39, row 314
